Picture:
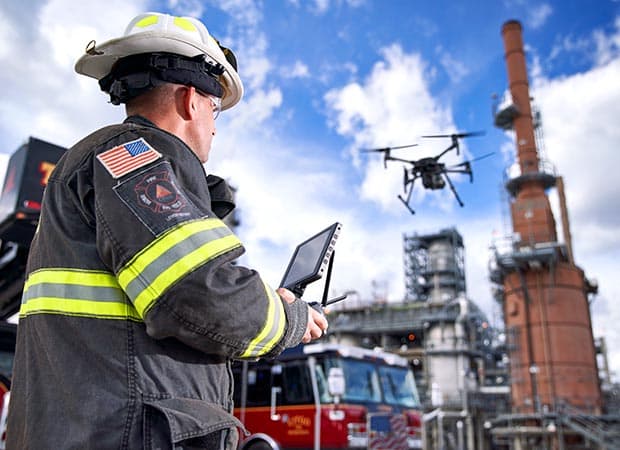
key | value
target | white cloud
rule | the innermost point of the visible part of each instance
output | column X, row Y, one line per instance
column 7, row 33
column 245, row 13
column 598, row 48
column 190, row 8
column 455, row 69
column 538, row 15
column 47, row 98
column 297, row 70
column 320, row 6
column 607, row 46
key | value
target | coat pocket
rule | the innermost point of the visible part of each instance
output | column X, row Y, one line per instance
column 184, row 423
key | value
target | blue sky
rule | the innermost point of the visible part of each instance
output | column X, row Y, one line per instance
column 325, row 78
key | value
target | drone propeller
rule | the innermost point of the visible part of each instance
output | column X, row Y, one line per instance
column 466, row 163
column 467, row 166
column 386, row 149
column 456, row 135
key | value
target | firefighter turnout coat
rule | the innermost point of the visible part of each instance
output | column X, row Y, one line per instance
column 133, row 305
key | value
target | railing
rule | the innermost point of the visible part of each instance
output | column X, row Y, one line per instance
column 544, row 166
column 590, row 427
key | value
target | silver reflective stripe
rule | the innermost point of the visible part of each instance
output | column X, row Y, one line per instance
column 57, row 290
column 75, row 292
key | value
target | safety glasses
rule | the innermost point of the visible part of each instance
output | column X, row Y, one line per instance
column 217, row 105
column 216, row 102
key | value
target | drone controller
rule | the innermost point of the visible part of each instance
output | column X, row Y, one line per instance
column 311, row 259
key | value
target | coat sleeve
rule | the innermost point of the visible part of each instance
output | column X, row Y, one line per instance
column 176, row 260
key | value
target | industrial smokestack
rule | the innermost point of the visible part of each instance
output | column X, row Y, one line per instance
column 531, row 212
column 546, row 311
column 520, row 92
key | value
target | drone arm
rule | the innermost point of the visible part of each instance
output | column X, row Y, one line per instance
column 394, row 158
column 447, row 150
column 466, row 169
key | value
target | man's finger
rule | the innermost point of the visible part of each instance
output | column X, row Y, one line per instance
column 286, row 295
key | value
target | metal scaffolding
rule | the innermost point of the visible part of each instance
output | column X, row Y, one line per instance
column 434, row 266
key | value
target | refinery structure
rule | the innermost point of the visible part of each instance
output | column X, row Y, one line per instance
column 539, row 380
column 534, row 383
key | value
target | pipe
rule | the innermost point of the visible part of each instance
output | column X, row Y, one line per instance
column 568, row 240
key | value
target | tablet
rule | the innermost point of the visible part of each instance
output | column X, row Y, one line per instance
column 310, row 259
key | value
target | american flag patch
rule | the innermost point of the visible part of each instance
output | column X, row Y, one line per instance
column 128, row 157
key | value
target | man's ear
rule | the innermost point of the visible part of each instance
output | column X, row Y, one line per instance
column 190, row 102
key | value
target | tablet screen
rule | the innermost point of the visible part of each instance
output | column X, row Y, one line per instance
column 310, row 258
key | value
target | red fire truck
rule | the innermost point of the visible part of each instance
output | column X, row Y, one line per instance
column 328, row 396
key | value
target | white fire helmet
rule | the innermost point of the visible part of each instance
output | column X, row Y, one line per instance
column 162, row 33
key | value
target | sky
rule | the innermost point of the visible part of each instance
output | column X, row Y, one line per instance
column 326, row 78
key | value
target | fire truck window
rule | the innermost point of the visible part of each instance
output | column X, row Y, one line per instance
column 297, row 385
column 361, row 380
column 6, row 363
column 321, row 381
column 398, row 386
column 258, row 395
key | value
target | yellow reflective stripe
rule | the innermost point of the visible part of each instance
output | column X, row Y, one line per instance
column 78, row 307
column 171, row 257
column 267, row 338
column 184, row 24
column 79, row 277
column 147, row 21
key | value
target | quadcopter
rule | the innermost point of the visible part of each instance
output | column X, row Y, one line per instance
column 434, row 174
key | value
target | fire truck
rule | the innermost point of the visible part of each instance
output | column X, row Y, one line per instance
column 20, row 204
column 328, row 396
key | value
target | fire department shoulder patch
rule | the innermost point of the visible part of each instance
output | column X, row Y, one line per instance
column 128, row 157
column 156, row 199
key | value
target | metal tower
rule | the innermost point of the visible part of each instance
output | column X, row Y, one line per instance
column 434, row 266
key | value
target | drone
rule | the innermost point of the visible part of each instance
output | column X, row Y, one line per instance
column 434, row 174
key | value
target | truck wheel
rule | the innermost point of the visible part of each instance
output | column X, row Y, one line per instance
column 258, row 445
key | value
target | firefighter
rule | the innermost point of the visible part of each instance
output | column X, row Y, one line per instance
column 133, row 304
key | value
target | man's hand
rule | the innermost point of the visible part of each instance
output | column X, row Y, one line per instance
column 317, row 323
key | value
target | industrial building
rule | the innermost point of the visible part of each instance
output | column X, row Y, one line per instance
column 535, row 383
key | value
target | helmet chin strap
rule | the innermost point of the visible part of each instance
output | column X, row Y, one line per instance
column 136, row 74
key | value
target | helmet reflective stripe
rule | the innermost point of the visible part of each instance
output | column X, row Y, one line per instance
column 171, row 257
column 273, row 330
column 76, row 293
column 185, row 24
column 147, row 21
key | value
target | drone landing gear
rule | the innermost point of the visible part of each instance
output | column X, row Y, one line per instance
column 456, row 195
column 406, row 202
